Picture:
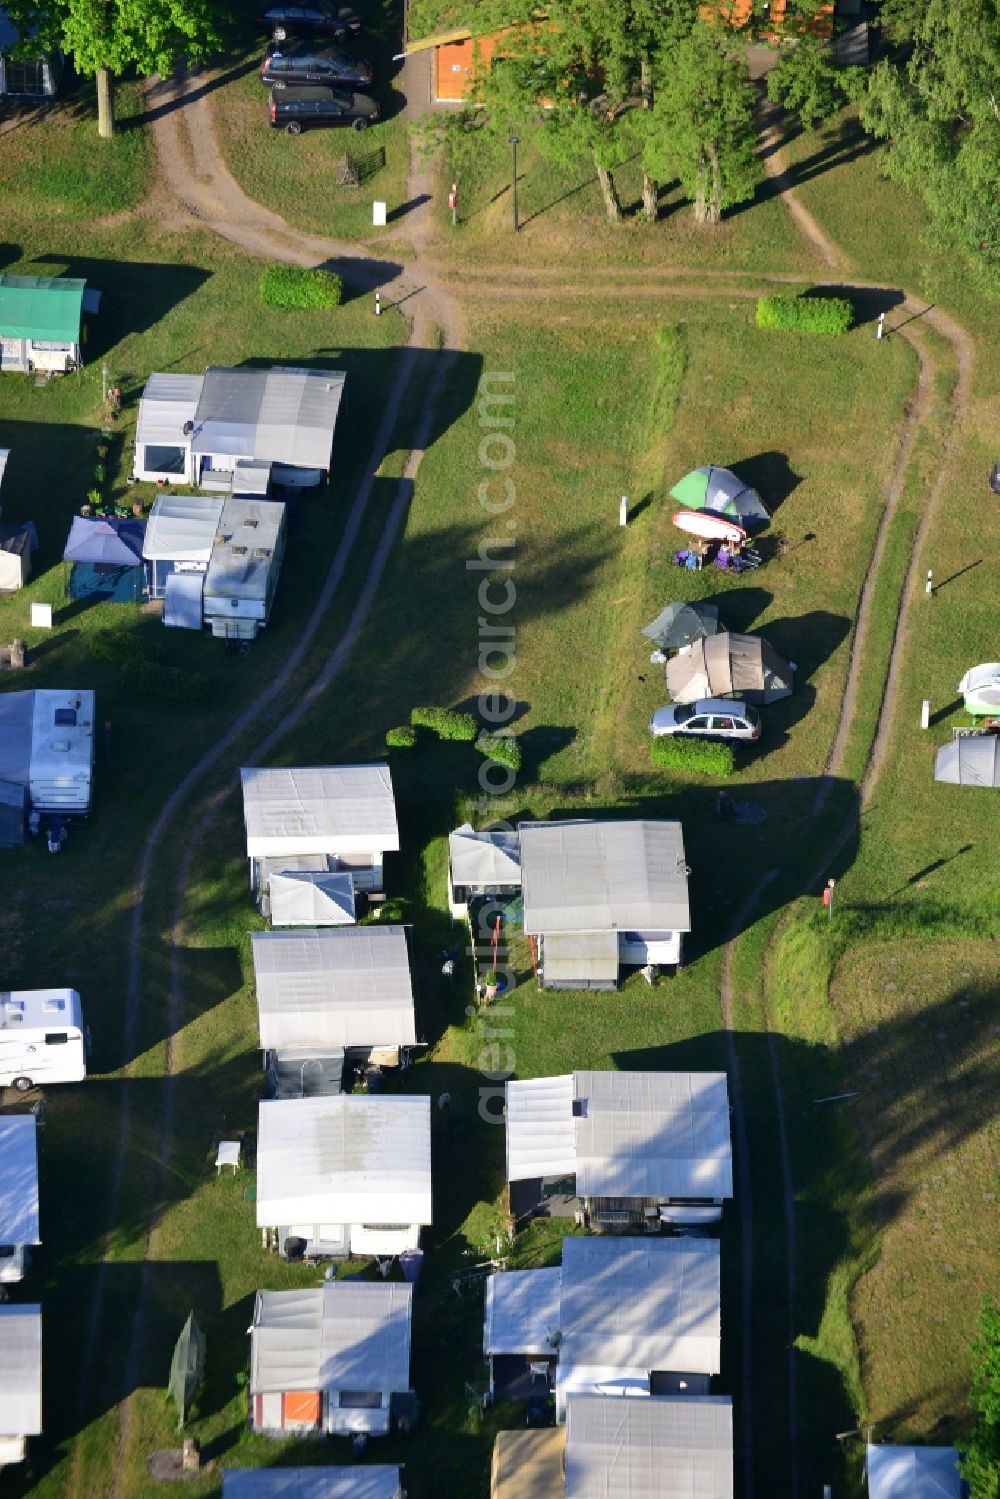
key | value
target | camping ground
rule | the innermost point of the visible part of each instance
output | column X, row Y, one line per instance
column 606, row 403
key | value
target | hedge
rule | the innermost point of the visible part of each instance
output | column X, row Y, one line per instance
column 146, row 679
column 700, row 756
column 117, row 643
column 502, row 748
column 402, row 737
column 460, row 727
column 805, row 314
column 290, row 287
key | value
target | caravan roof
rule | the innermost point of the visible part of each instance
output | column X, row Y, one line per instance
column 20, row 1371
column 242, row 556
column 278, row 415
column 36, row 1009
column 604, row 876
column 657, row 1448
column 18, row 1179
column 181, row 528
column 343, row 1335
column 326, row 809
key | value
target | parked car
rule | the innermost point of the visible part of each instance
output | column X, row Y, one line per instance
column 300, row 106
column 302, row 63
column 709, row 718
column 319, row 19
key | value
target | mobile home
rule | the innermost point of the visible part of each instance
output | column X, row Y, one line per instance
column 47, row 747
column 176, row 550
column 20, row 1380
column 41, row 322
column 42, row 1038
column 243, row 568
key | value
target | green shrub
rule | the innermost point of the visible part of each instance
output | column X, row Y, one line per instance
column 502, row 748
column 117, row 643
column 291, row 287
column 805, row 314
column 459, row 727
column 147, row 679
column 699, row 756
column 403, row 737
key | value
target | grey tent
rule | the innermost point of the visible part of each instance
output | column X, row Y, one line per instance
column 970, row 760
column 729, row 665
column 721, row 491
column 679, row 624
column 301, row 897
column 186, row 1367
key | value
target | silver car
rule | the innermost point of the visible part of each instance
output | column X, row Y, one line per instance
column 709, row 718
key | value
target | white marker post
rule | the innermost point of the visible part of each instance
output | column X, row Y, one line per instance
column 623, row 511
column 379, row 214
column 880, row 330
column 925, row 713
column 378, row 304
column 929, row 585
column 828, row 890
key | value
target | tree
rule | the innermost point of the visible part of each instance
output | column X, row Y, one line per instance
column 701, row 127
column 939, row 111
column 980, row 1462
column 105, row 37
column 807, row 81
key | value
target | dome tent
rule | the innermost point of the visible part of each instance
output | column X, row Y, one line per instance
column 722, row 492
column 681, row 623
column 728, row 665
column 981, row 689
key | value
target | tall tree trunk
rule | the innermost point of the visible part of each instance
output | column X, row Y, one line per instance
column 105, row 103
column 612, row 202
column 714, row 213
column 650, row 187
column 701, row 194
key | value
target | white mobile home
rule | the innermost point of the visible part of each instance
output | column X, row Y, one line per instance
column 47, row 747
column 42, row 1038
column 642, row 1149
column 18, row 1194
column 243, row 568
column 346, row 813
column 371, row 1481
column 600, row 895
column 20, row 1380
column 329, row 1360
column 238, row 430
column 346, row 1174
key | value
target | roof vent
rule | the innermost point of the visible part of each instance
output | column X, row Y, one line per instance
column 239, row 551
column 54, row 1005
column 251, row 521
column 579, row 1108
column 65, row 716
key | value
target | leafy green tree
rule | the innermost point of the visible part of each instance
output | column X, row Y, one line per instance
column 807, row 81
column 980, row 1462
column 106, row 37
column 939, row 111
column 701, row 127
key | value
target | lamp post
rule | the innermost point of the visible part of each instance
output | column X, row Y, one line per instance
column 514, row 141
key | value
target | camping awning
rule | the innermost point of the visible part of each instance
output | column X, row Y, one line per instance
column 279, row 415
column 487, row 859
column 167, row 404
column 18, row 1180
column 580, row 957
column 970, row 760
column 20, row 1371
column 304, row 898
column 522, row 1312
column 181, row 528
column 541, row 1133
column 183, row 601
column 105, row 543
column 44, row 308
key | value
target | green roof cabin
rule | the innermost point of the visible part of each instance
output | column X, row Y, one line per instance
column 40, row 322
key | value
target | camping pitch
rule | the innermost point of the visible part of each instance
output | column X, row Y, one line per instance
column 721, row 491
column 729, row 665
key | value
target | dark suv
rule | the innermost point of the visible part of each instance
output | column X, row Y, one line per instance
column 296, row 108
column 305, row 64
column 319, row 19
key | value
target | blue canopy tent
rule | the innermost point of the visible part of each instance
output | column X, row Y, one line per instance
column 106, row 559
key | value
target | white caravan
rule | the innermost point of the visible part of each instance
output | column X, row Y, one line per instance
column 42, row 1038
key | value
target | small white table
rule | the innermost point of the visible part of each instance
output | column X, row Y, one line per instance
column 228, row 1155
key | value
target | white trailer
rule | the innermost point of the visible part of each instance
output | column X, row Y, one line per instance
column 18, row 1194
column 42, row 1038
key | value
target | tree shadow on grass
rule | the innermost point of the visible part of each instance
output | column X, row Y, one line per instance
column 840, row 143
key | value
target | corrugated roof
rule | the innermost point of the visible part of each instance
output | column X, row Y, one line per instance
column 286, row 1341
column 580, row 957
column 366, row 1335
column 45, row 308
column 522, row 1312
column 491, row 857
column 913, row 1472
column 325, row 804
column 599, row 876
column 541, row 1130
column 640, row 1303
column 528, row 1464
column 335, row 988
column 371, row 1482
column 344, row 1159
column 181, row 528
column 20, row 1371
column 18, row 1179
column 652, row 1448
column 166, row 404
column 278, row 415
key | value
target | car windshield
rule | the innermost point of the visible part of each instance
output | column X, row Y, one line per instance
column 682, row 714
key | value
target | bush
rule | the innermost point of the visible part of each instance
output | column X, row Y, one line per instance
column 290, row 287
column 459, row 727
column 116, row 644
column 147, row 679
column 403, row 737
column 699, row 756
column 502, row 748
column 805, row 314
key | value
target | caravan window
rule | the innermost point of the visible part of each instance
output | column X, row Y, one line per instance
column 56, row 1038
column 164, row 460
column 360, row 1400
column 65, row 716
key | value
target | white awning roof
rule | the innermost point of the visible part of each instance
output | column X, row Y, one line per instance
column 303, row 897
column 580, row 957
column 332, row 989
column 18, row 1179
column 326, row 809
column 285, row 1341
column 592, row 876
column 350, row 1158
column 522, row 1312
column 912, row 1472
column 371, row 1481
column 20, row 1371
column 541, row 1131
column 489, row 859
column 655, row 1448
column 181, row 528
column 167, row 402
column 343, row 1335
column 277, row 415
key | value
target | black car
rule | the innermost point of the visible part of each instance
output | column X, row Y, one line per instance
column 297, row 107
column 304, row 64
column 319, row 19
